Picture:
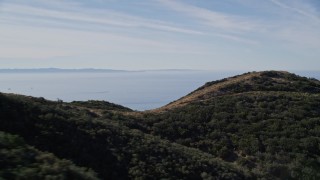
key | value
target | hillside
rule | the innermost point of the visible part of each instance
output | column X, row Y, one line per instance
column 259, row 125
column 255, row 81
column 107, row 146
column 21, row 161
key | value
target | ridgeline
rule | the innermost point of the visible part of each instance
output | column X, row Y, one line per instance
column 259, row 125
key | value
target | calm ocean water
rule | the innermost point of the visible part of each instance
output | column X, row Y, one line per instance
column 136, row 90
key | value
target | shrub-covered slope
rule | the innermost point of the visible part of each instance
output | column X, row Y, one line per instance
column 21, row 161
column 107, row 146
column 256, row 125
column 254, row 81
column 267, row 122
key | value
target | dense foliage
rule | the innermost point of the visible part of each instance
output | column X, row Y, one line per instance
column 21, row 161
column 269, row 124
column 113, row 150
column 270, row 133
column 102, row 105
column 266, row 126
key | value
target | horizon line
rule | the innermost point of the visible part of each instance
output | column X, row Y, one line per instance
column 144, row 70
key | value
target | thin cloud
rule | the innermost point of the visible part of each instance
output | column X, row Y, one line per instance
column 107, row 18
column 42, row 42
column 57, row 15
column 54, row 31
column 297, row 26
column 297, row 10
column 235, row 38
column 211, row 18
column 222, row 25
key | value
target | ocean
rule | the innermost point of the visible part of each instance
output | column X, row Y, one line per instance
column 142, row 90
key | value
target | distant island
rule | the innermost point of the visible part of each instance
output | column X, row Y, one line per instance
column 83, row 70
column 58, row 70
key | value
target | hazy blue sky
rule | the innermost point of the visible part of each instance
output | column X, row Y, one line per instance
column 161, row 34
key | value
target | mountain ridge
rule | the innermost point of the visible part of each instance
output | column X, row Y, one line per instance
column 218, row 88
column 261, row 125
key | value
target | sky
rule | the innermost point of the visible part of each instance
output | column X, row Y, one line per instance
column 161, row 34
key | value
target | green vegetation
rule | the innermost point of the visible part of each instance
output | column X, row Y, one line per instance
column 112, row 150
column 21, row 161
column 261, row 125
column 272, row 134
column 101, row 105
